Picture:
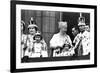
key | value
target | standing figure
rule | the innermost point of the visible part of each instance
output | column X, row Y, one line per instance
column 39, row 48
column 32, row 28
column 23, row 39
column 83, row 39
column 75, row 32
column 59, row 39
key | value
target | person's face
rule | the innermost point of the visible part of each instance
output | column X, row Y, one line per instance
column 74, row 31
column 37, row 38
column 32, row 30
column 81, row 28
column 63, row 29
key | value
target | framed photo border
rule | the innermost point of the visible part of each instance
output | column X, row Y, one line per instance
column 13, row 35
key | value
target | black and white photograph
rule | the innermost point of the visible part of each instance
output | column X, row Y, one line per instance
column 53, row 36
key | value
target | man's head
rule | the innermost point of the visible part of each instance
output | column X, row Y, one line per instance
column 62, row 26
column 81, row 26
column 75, row 31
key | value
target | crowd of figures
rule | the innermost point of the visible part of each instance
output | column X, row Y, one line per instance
column 34, row 45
